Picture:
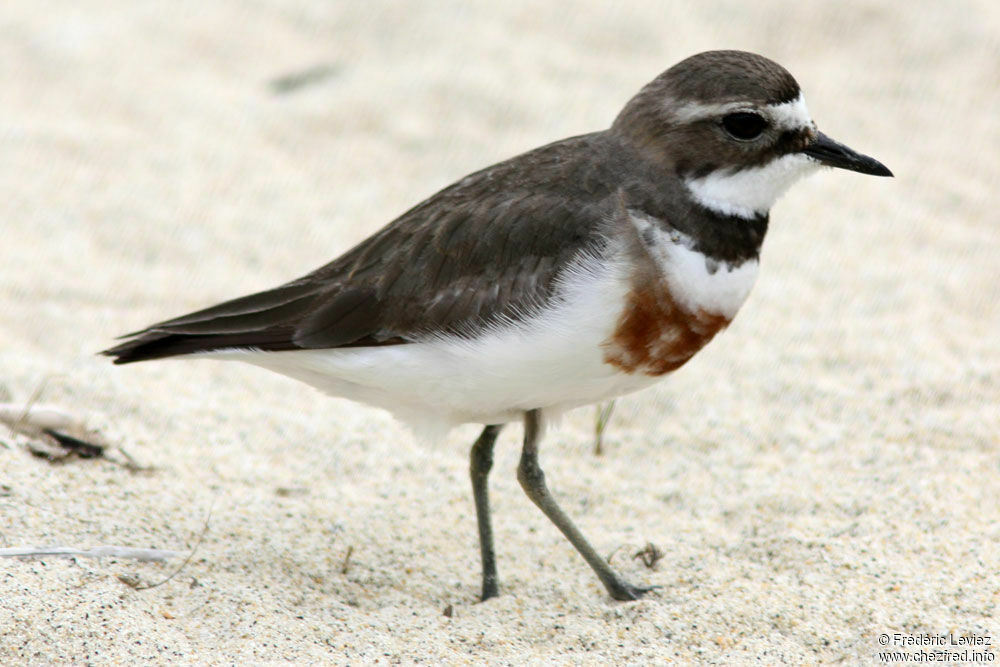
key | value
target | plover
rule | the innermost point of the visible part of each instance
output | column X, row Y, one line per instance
column 576, row 272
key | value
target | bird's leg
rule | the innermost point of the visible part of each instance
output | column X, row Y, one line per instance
column 480, row 462
column 532, row 480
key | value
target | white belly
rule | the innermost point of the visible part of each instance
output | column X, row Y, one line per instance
column 552, row 361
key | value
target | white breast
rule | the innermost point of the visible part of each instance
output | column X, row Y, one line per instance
column 696, row 282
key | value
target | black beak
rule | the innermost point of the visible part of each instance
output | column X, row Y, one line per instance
column 834, row 154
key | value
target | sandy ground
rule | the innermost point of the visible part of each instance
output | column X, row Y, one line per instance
column 825, row 472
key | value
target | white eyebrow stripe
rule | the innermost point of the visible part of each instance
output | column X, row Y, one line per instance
column 690, row 111
column 793, row 115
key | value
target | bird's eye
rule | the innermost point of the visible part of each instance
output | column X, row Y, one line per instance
column 744, row 125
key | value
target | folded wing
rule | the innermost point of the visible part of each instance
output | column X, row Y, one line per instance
column 486, row 249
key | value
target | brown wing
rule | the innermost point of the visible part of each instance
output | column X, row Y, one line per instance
column 488, row 247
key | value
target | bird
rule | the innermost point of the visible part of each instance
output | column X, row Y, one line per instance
column 574, row 273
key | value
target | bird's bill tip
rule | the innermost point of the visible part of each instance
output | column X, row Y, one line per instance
column 832, row 153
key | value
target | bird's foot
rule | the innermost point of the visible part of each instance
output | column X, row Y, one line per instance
column 624, row 591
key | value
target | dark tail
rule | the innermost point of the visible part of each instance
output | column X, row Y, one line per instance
column 160, row 345
column 265, row 320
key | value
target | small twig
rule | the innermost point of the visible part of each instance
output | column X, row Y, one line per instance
column 149, row 555
column 136, row 584
column 347, row 560
column 612, row 554
column 82, row 448
column 35, row 395
column 288, row 83
column 46, row 424
column 603, row 416
column 650, row 555
column 57, row 447
column 32, row 419
column 57, row 435
column 130, row 463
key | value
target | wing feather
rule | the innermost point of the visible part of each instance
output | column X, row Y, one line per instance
column 486, row 249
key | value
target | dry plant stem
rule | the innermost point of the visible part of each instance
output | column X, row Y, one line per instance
column 150, row 555
column 603, row 416
column 201, row 538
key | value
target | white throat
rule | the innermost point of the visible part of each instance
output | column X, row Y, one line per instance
column 751, row 192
